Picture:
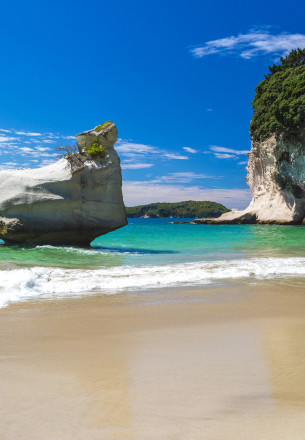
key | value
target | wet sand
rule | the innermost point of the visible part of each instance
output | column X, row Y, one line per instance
column 224, row 363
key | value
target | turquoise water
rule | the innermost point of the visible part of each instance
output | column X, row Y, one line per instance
column 153, row 253
column 161, row 241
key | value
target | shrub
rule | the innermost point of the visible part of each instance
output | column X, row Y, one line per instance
column 68, row 150
column 279, row 102
column 103, row 126
column 96, row 150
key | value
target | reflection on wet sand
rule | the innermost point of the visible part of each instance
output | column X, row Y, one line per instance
column 108, row 382
column 284, row 351
column 220, row 363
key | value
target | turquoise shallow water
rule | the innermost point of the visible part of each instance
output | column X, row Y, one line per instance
column 153, row 253
column 161, row 241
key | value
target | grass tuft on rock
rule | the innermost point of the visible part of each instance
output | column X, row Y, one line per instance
column 103, row 126
column 96, row 150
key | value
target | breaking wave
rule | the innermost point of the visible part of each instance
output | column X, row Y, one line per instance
column 51, row 283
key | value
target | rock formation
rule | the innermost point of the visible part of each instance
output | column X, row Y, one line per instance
column 276, row 167
column 276, row 176
column 70, row 202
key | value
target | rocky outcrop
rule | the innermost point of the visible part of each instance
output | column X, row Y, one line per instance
column 276, row 176
column 70, row 202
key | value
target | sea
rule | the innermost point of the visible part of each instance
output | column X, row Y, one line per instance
column 153, row 254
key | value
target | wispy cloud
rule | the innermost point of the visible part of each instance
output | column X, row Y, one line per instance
column 135, row 166
column 24, row 133
column 184, row 177
column 7, row 139
column 140, row 153
column 125, row 147
column 227, row 150
column 26, row 149
column 224, row 156
column 9, row 165
column 190, row 150
column 138, row 192
column 226, row 153
column 175, row 156
column 251, row 44
column 28, row 146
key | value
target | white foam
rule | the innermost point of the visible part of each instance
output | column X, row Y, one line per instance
column 42, row 282
column 75, row 250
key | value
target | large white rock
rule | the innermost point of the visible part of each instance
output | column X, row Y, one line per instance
column 69, row 202
column 276, row 176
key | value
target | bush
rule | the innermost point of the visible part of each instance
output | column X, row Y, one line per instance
column 96, row 150
column 68, row 150
column 279, row 102
column 103, row 126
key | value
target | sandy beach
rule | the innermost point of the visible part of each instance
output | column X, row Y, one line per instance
column 221, row 363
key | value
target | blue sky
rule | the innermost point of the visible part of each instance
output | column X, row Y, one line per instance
column 176, row 77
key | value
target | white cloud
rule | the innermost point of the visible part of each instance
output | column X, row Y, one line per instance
column 190, row 150
column 5, row 131
column 140, row 151
column 42, row 154
column 26, row 149
column 224, row 156
column 24, row 133
column 42, row 148
column 125, row 147
column 6, row 139
column 184, row 177
column 9, row 164
column 227, row 150
column 254, row 43
column 175, row 156
column 138, row 193
column 226, row 153
column 244, row 162
column 135, row 166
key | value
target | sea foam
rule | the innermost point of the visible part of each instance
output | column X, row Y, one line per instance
column 52, row 283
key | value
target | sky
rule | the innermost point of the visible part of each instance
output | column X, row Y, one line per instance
column 176, row 77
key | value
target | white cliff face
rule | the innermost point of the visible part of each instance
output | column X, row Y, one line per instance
column 276, row 176
column 70, row 202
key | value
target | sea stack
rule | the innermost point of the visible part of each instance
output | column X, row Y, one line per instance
column 70, row 202
column 276, row 165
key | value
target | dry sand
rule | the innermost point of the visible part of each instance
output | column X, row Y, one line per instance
column 226, row 363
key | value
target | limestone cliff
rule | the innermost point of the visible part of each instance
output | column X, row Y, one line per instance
column 71, row 201
column 276, row 167
column 276, row 176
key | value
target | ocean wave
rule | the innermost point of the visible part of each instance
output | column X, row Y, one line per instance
column 74, row 250
column 42, row 282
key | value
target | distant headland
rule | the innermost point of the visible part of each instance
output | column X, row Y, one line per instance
column 188, row 209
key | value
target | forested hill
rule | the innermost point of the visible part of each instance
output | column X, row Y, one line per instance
column 188, row 209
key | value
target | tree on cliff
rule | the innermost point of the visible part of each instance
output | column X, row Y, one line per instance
column 279, row 102
column 294, row 59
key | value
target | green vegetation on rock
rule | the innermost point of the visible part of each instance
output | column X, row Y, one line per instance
column 96, row 149
column 103, row 126
column 279, row 103
column 188, row 209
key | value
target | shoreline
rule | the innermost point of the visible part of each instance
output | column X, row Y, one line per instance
column 216, row 362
